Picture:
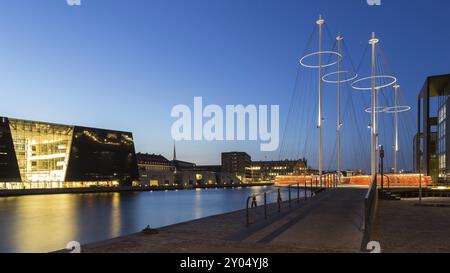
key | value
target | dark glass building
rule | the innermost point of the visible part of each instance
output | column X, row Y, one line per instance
column 45, row 155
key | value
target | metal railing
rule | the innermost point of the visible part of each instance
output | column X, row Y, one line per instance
column 314, row 184
column 253, row 198
column 370, row 206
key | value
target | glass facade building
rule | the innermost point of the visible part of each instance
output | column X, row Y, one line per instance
column 431, row 156
column 442, row 136
column 44, row 155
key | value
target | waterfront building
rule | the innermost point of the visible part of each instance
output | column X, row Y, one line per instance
column 154, row 170
column 196, row 178
column 193, row 175
column 221, row 177
column 180, row 165
column 37, row 155
column 433, row 136
column 211, row 168
column 238, row 163
column 269, row 170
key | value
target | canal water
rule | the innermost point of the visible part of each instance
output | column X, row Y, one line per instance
column 44, row 223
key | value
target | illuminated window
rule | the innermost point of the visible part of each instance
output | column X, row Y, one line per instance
column 41, row 150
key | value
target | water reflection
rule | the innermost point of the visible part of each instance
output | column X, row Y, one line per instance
column 47, row 222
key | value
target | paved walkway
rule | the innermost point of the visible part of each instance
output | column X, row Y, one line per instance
column 330, row 222
column 403, row 227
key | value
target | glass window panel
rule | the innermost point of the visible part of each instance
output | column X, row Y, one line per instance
column 41, row 150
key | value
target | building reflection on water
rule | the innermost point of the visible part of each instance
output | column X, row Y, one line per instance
column 44, row 223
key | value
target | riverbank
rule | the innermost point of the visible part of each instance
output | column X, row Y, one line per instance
column 21, row 192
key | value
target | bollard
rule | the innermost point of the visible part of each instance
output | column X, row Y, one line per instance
column 254, row 203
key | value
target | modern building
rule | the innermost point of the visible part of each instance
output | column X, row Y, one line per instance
column 238, row 163
column 154, row 170
column 269, row 170
column 433, row 136
column 44, row 155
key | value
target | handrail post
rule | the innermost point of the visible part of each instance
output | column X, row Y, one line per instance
column 366, row 217
column 306, row 194
column 265, row 205
column 248, row 199
column 420, row 188
column 311, row 187
column 289, row 188
column 298, row 192
column 279, row 200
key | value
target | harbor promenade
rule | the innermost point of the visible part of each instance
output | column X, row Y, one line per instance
column 404, row 227
column 332, row 221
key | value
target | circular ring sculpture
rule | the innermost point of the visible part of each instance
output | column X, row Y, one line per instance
column 392, row 81
column 397, row 109
column 302, row 60
column 379, row 109
column 325, row 77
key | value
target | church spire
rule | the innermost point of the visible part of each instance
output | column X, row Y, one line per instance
column 174, row 152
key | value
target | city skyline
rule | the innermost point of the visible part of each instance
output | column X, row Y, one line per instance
column 124, row 66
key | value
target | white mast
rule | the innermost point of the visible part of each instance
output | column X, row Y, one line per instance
column 396, row 148
column 320, row 23
column 339, row 39
column 374, row 41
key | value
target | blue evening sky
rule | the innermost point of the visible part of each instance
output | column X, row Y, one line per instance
column 123, row 64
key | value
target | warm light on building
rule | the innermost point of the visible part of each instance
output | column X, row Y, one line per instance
column 45, row 155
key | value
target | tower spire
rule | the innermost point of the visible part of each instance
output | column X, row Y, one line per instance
column 174, row 152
